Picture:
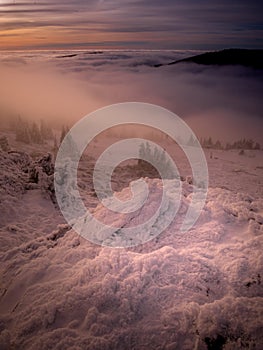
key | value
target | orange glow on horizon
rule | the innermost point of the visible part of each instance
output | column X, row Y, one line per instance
column 52, row 36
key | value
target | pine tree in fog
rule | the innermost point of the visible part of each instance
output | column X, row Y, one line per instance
column 55, row 146
column 244, row 143
column 45, row 130
column 22, row 131
column 157, row 158
column 64, row 131
column 35, row 134
column 31, row 132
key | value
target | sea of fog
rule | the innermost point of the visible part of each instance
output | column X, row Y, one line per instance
column 64, row 86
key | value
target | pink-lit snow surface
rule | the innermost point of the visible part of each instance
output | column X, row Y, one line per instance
column 195, row 290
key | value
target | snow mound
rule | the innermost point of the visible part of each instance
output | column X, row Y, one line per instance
column 134, row 216
column 198, row 290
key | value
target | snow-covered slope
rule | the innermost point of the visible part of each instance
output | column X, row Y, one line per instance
column 198, row 290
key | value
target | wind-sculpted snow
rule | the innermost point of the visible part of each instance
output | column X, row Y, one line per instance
column 25, row 207
column 197, row 290
column 12, row 181
column 132, row 222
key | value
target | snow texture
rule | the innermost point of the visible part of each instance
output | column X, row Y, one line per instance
column 198, row 290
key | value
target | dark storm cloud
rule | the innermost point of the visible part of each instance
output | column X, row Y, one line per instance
column 167, row 23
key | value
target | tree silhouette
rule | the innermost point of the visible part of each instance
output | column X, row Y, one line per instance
column 22, row 130
column 45, row 130
column 35, row 134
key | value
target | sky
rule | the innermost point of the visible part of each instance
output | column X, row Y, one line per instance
column 130, row 24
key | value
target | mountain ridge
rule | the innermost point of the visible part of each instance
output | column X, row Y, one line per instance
column 234, row 57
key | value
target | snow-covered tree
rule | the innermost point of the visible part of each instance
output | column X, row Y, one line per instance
column 22, row 130
column 4, row 144
column 45, row 130
column 157, row 158
column 35, row 134
column 64, row 131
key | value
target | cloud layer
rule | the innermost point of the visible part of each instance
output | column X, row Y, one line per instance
column 224, row 102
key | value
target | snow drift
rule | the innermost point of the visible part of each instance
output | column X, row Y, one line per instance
column 198, row 290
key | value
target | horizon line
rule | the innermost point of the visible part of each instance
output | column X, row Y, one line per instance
column 120, row 49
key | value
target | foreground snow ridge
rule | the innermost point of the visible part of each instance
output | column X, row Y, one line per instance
column 134, row 217
column 198, row 290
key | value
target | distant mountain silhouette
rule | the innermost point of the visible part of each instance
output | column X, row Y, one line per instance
column 68, row 56
column 242, row 57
